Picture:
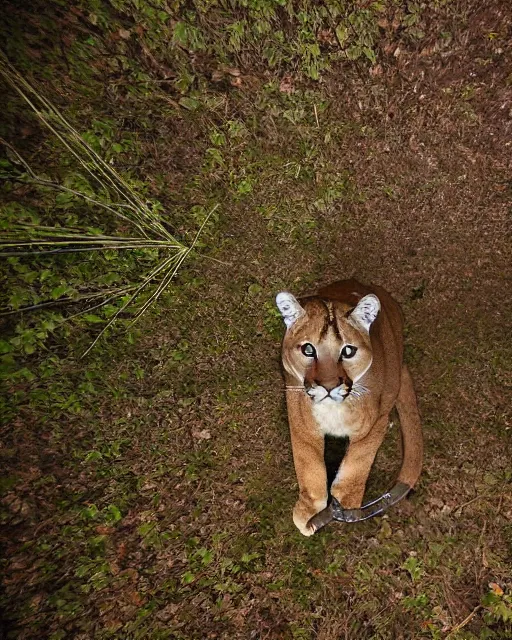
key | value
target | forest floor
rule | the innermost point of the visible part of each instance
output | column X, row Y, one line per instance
column 149, row 486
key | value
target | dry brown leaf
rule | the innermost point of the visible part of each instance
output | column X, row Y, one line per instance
column 104, row 530
column 496, row 589
column 121, row 551
column 135, row 598
column 286, row 85
column 327, row 36
column 204, row 434
column 131, row 573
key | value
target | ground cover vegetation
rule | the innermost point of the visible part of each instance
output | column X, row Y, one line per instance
column 166, row 168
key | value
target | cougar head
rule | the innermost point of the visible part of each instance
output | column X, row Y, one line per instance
column 327, row 346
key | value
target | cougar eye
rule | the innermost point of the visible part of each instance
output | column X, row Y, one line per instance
column 348, row 351
column 308, row 350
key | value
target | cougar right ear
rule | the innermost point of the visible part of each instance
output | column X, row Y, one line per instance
column 289, row 307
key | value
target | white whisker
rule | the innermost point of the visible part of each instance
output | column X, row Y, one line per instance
column 358, row 390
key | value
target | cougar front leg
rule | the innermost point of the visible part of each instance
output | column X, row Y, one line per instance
column 308, row 457
column 350, row 482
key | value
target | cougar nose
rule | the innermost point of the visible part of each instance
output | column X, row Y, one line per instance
column 329, row 385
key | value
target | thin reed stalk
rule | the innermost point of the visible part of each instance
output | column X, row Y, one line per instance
column 117, row 198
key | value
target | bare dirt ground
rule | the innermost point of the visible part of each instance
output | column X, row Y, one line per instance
column 160, row 505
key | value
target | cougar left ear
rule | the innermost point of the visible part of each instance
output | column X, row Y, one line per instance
column 366, row 310
column 289, row 307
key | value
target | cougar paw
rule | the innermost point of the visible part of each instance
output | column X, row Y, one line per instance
column 302, row 514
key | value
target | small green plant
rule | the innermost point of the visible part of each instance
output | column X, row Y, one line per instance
column 152, row 536
column 498, row 606
column 414, row 568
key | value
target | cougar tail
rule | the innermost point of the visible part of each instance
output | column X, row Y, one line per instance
column 412, row 439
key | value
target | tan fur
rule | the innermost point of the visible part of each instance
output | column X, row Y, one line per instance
column 377, row 379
